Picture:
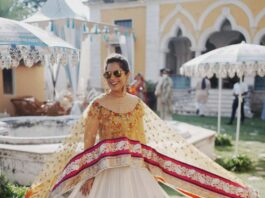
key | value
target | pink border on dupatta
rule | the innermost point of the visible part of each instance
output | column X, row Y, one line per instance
column 144, row 152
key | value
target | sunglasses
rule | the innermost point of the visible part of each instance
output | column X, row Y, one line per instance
column 116, row 73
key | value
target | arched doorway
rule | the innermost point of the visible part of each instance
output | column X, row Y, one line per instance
column 259, row 83
column 178, row 53
column 226, row 36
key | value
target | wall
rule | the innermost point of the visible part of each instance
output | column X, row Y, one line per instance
column 27, row 81
column 136, row 14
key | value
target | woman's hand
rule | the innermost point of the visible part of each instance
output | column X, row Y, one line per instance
column 86, row 187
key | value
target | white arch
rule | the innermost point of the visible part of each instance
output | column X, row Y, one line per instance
column 223, row 2
column 172, row 33
column 217, row 26
column 259, row 17
column 181, row 10
column 258, row 36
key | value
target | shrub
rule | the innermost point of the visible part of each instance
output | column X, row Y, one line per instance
column 223, row 140
column 238, row 163
column 19, row 190
column 150, row 94
column 150, row 86
column 5, row 189
column 8, row 190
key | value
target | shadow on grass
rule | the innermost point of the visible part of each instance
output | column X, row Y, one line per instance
column 225, row 148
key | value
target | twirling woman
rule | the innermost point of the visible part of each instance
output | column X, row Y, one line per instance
column 126, row 149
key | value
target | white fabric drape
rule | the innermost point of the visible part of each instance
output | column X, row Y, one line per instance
column 129, row 182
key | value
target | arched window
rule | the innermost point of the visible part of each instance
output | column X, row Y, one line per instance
column 178, row 53
column 226, row 26
column 8, row 81
column 259, row 83
column 225, row 36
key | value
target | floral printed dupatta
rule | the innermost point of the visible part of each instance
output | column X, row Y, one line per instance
column 166, row 155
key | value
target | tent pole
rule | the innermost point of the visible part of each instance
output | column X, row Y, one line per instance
column 238, row 114
column 219, row 104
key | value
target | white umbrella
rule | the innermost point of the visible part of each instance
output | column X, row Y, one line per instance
column 19, row 33
column 242, row 59
column 21, row 41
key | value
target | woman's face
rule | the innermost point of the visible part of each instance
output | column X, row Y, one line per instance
column 115, row 82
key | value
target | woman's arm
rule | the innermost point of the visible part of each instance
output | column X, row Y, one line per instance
column 91, row 129
column 90, row 134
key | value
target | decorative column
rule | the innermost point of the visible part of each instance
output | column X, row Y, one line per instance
column 152, row 41
column 95, row 52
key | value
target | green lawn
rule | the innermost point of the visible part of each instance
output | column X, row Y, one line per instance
column 252, row 139
column 253, row 129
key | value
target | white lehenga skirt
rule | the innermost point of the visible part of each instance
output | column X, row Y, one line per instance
column 133, row 180
column 123, row 182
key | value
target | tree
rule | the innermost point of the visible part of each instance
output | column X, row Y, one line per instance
column 13, row 9
column 35, row 4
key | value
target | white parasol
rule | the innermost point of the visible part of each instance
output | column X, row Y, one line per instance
column 20, row 41
column 242, row 59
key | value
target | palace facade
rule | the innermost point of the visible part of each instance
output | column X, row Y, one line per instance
column 170, row 32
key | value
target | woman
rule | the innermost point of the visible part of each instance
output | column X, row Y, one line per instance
column 138, row 87
column 118, row 103
column 123, row 162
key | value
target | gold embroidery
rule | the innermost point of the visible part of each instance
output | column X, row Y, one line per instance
column 115, row 125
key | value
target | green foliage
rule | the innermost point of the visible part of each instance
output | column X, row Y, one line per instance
column 170, row 191
column 251, row 130
column 239, row 163
column 8, row 190
column 223, row 139
column 150, row 86
column 13, row 9
column 5, row 189
column 19, row 190
column 35, row 4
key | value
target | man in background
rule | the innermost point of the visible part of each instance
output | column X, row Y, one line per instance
column 202, row 93
column 237, row 89
column 163, row 93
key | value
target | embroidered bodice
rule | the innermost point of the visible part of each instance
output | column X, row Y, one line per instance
column 115, row 125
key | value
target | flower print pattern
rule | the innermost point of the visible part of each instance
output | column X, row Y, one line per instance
column 115, row 125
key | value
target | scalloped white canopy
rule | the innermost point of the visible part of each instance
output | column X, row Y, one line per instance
column 19, row 41
column 61, row 9
column 241, row 59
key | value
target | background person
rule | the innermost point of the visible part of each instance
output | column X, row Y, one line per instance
column 138, row 87
column 163, row 93
column 202, row 93
column 237, row 89
column 158, row 91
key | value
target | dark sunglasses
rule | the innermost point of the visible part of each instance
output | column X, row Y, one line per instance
column 116, row 73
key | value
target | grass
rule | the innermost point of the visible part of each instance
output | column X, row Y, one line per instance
column 253, row 129
column 170, row 191
column 252, row 139
column 256, row 151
